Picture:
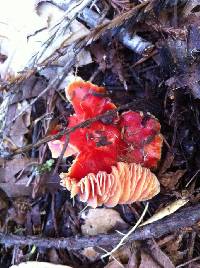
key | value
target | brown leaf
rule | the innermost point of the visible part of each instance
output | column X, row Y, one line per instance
column 16, row 189
column 90, row 253
column 4, row 200
column 170, row 179
column 19, row 211
column 167, row 163
column 173, row 248
column 114, row 264
column 14, row 166
column 99, row 53
column 159, row 255
column 147, row 261
column 20, row 127
column 9, row 181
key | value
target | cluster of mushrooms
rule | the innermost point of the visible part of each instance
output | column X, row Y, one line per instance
column 113, row 156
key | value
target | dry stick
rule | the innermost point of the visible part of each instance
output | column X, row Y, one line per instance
column 86, row 123
column 61, row 155
column 187, row 217
column 188, row 262
column 126, row 236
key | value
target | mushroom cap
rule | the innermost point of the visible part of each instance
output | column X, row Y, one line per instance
column 112, row 154
column 141, row 133
column 88, row 100
column 125, row 184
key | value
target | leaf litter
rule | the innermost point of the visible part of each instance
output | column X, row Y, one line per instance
column 165, row 82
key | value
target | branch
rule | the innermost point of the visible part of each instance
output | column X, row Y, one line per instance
column 187, row 217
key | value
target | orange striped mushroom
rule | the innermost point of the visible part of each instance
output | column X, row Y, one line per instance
column 125, row 184
column 112, row 156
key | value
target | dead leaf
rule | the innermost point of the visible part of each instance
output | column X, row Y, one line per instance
column 29, row 88
column 9, row 173
column 16, row 189
column 13, row 167
column 148, row 261
column 167, row 163
column 127, row 255
column 174, row 206
column 22, row 41
column 114, row 264
column 158, row 255
column 53, row 256
column 4, row 200
column 170, row 179
column 109, row 59
column 90, row 253
column 19, row 211
column 35, row 264
column 101, row 221
column 188, row 79
column 173, row 248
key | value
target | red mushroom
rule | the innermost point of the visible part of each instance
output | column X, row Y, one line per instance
column 105, row 170
column 88, row 100
column 141, row 133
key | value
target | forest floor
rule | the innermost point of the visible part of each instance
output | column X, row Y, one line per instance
column 147, row 56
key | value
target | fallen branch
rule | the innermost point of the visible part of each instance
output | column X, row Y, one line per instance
column 129, row 39
column 187, row 217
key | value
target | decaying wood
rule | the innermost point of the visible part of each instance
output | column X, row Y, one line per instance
column 185, row 218
column 129, row 39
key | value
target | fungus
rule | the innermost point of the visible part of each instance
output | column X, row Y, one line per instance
column 125, row 184
column 111, row 156
column 141, row 133
column 88, row 100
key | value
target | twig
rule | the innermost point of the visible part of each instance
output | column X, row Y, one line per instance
column 137, row 104
column 54, row 219
column 124, row 238
column 61, row 155
column 142, row 60
column 188, row 262
column 185, row 218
